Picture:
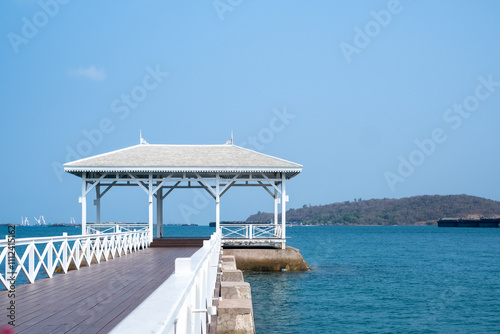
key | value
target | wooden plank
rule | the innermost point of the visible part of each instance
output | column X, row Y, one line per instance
column 93, row 299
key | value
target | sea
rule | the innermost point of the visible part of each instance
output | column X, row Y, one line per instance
column 373, row 279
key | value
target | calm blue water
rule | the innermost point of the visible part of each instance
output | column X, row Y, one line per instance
column 400, row 279
column 384, row 280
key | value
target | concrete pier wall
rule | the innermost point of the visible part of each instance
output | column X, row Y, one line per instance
column 268, row 259
column 235, row 310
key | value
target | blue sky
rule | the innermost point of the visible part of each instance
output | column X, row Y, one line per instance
column 377, row 98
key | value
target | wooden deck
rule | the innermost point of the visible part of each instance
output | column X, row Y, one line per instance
column 93, row 299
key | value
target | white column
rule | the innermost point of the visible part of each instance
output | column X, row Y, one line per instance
column 150, row 193
column 159, row 213
column 83, row 200
column 283, row 209
column 217, row 202
column 276, row 202
column 98, row 203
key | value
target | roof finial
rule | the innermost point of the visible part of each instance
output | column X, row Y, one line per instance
column 142, row 141
column 230, row 141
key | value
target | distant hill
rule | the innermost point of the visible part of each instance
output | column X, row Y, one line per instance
column 417, row 210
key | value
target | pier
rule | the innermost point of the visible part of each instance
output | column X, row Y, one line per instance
column 93, row 299
column 125, row 278
column 114, row 275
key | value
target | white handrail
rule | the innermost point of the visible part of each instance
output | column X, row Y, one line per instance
column 251, row 231
column 88, row 248
column 181, row 303
column 97, row 228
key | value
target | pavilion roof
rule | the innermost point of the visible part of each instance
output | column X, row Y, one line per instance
column 183, row 158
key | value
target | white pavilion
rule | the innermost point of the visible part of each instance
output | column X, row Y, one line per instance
column 161, row 169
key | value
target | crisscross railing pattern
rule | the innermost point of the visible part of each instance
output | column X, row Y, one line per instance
column 250, row 231
column 235, row 231
column 48, row 255
column 263, row 231
column 97, row 228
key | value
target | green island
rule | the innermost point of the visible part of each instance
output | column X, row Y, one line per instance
column 416, row 210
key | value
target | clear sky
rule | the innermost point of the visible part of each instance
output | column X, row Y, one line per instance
column 376, row 99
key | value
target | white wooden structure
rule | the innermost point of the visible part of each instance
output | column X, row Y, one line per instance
column 160, row 169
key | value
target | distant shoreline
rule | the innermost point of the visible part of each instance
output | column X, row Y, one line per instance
column 411, row 211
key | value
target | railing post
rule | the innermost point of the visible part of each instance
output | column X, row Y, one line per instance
column 64, row 254
column 112, row 246
column 31, row 262
column 50, row 263
column 86, row 250
column 76, row 246
column 125, row 243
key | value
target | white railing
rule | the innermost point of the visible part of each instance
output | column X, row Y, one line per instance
column 183, row 302
column 98, row 228
column 251, row 231
column 45, row 255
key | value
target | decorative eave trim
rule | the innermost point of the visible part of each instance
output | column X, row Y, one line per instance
column 290, row 172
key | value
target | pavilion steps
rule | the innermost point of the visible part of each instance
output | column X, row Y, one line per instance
column 179, row 242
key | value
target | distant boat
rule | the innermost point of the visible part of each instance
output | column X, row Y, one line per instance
column 464, row 222
column 71, row 223
column 59, row 225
